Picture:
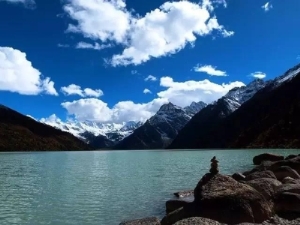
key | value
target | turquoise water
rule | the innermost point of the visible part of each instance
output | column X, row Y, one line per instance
column 103, row 187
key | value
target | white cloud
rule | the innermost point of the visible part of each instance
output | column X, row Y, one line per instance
column 298, row 57
column 183, row 93
column 133, row 72
column 95, row 46
column 151, row 78
column 74, row 89
column 18, row 75
column 96, row 110
column 259, row 75
column 147, row 91
column 160, row 32
column 266, row 7
column 27, row 3
column 179, row 93
column 210, row 70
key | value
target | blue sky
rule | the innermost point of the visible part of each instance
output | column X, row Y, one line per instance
column 90, row 59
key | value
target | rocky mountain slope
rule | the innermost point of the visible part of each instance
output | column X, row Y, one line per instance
column 98, row 135
column 22, row 133
column 270, row 119
column 160, row 129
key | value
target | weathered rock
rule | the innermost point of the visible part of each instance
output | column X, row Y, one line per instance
column 290, row 157
column 182, row 194
column 197, row 221
column 285, row 171
column 266, row 186
column 223, row 199
column 294, row 163
column 261, row 174
column 286, row 202
column 291, row 188
column 238, row 176
column 257, row 160
column 175, row 204
column 288, row 180
column 145, row 221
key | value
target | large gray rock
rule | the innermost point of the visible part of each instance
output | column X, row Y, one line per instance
column 261, row 174
column 197, row 221
column 289, row 180
column 223, row 199
column 266, row 186
column 285, row 171
column 257, row 160
column 238, row 177
column 145, row 221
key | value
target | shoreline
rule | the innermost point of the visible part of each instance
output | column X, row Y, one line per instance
column 271, row 189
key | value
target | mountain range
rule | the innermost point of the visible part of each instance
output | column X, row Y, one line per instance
column 158, row 131
column 22, row 133
column 270, row 119
column 262, row 114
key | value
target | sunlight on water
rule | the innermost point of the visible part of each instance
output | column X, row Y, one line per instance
column 103, row 187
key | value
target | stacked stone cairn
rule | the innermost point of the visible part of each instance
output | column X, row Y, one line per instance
column 214, row 166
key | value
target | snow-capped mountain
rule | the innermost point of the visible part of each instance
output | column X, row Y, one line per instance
column 89, row 131
column 268, row 119
column 161, row 128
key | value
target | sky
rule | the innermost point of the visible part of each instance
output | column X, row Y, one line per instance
column 113, row 61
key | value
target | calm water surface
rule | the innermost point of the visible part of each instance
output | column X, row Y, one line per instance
column 103, row 187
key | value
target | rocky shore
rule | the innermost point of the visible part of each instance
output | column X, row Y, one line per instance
column 268, row 194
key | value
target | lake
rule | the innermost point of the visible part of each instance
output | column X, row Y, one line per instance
column 103, row 187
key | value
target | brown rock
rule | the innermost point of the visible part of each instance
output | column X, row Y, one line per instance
column 266, row 186
column 223, row 199
column 257, row 160
column 285, row 171
column 290, row 157
column 291, row 188
column 238, row 176
column 197, row 221
column 145, row 221
column 286, row 202
column 261, row 174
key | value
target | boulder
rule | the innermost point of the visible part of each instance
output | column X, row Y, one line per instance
column 175, row 204
column 285, row 171
column 286, row 202
column 294, row 163
column 288, row 180
column 197, row 221
column 290, row 157
column 223, row 199
column 266, row 186
column 291, row 188
column 182, row 194
column 257, row 160
column 145, row 221
column 238, row 176
column 261, row 174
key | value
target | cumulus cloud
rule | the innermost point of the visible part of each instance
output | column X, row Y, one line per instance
column 51, row 119
column 18, row 75
column 95, row 46
column 147, row 91
column 210, row 70
column 266, row 7
column 74, row 89
column 96, row 110
column 26, row 3
column 179, row 93
column 184, row 93
column 160, row 32
column 259, row 75
column 151, row 78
